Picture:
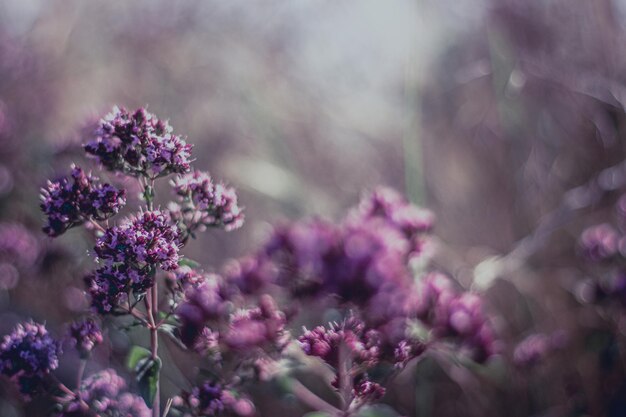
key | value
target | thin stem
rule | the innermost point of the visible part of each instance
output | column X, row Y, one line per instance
column 345, row 377
column 312, row 400
column 81, row 372
column 152, row 309
column 96, row 225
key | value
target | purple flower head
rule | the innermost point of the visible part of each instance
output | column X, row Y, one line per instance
column 406, row 350
column 110, row 285
column 149, row 239
column 138, row 144
column 185, row 276
column 204, row 304
column 103, row 395
column 599, row 242
column 251, row 274
column 325, row 343
column 259, row 327
column 85, row 335
column 68, row 202
column 367, row 391
column 27, row 355
column 204, row 203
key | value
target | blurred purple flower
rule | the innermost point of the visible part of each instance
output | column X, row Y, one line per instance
column 85, row 335
column 599, row 242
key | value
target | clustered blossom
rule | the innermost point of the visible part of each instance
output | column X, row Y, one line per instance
column 455, row 315
column 103, row 395
column 209, row 321
column 27, row 356
column 204, row 203
column 147, row 240
column 111, row 284
column 325, row 343
column 69, row 202
column 368, row 253
column 211, row 399
column 85, row 335
column 139, row 143
column 605, row 245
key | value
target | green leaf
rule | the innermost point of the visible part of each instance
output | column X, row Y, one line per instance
column 188, row 262
column 136, row 354
column 147, row 377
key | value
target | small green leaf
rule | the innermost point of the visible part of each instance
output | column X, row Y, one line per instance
column 136, row 354
column 147, row 377
column 188, row 262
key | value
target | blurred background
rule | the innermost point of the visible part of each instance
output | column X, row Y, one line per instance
column 504, row 117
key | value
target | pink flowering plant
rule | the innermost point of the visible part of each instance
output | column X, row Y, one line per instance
column 370, row 270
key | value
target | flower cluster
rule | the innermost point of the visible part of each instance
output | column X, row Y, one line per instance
column 211, row 399
column 204, row 203
column 68, row 202
column 454, row 315
column 149, row 239
column 85, row 335
column 605, row 246
column 139, row 144
column 111, row 284
column 103, row 394
column 365, row 348
column 210, row 322
column 368, row 253
column 27, row 355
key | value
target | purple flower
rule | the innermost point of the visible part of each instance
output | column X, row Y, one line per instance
column 259, row 327
column 204, row 203
column 211, row 399
column 139, row 243
column 85, row 334
column 103, row 395
column 138, row 144
column 27, row 355
column 367, row 391
column 599, row 242
column 204, row 304
column 68, row 202
column 325, row 343
column 251, row 274
column 110, row 285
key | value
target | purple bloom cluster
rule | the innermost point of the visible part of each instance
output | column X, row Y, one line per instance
column 367, row 391
column 363, row 345
column 455, row 315
column 85, row 335
column 605, row 245
column 208, row 322
column 367, row 254
column 149, row 239
column 27, row 355
column 103, row 395
column 68, row 202
column 204, row 203
column 138, row 143
column 110, row 285
column 211, row 399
